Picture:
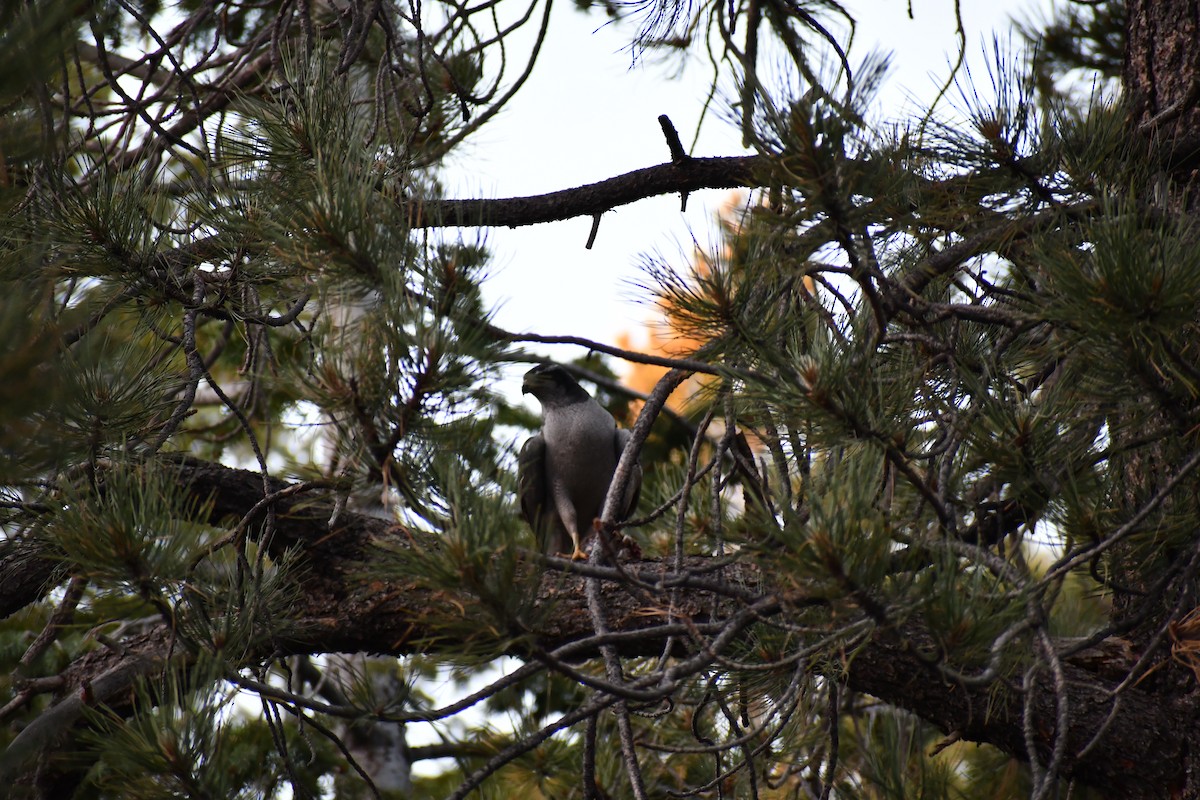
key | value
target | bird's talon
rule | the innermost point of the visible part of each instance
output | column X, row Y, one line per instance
column 579, row 555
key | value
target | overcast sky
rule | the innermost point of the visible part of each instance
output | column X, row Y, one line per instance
column 587, row 114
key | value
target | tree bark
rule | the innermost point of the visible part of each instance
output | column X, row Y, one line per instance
column 1161, row 81
column 685, row 176
column 1142, row 737
column 1162, row 86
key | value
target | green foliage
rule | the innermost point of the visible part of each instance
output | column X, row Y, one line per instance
column 1126, row 289
column 1084, row 38
column 479, row 555
column 125, row 533
column 951, row 409
column 183, row 743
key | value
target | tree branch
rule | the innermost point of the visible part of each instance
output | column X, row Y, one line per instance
column 691, row 175
column 340, row 610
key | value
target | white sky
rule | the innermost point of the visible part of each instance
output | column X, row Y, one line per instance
column 586, row 115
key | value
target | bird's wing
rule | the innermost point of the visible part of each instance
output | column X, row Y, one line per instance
column 537, row 507
column 531, row 478
column 633, row 490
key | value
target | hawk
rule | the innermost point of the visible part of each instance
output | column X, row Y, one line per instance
column 563, row 473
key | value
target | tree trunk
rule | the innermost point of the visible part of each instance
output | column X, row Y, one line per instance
column 1162, row 85
column 1161, row 81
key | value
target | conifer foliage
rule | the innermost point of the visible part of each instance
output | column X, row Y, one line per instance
column 926, row 527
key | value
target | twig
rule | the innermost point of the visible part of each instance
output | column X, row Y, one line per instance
column 591, row 240
column 61, row 617
column 589, row 759
column 612, row 667
column 834, row 719
column 678, row 154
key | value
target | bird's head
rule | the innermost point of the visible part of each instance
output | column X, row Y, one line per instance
column 553, row 386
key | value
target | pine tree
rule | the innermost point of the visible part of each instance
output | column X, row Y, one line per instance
column 925, row 528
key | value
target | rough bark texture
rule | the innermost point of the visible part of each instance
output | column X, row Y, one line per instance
column 1142, row 752
column 1162, row 83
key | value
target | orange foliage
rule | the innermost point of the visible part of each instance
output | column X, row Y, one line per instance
column 643, row 377
column 666, row 339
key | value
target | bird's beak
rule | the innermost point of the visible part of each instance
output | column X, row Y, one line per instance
column 532, row 382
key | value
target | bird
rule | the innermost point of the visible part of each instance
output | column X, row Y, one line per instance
column 563, row 472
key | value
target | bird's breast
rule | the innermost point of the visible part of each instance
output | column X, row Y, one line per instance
column 580, row 448
column 587, row 427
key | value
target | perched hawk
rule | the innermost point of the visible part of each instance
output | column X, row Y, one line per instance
column 563, row 473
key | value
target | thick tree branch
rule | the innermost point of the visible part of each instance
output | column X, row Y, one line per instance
column 341, row 610
column 594, row 198
column 588, row 200
column 1140, row 755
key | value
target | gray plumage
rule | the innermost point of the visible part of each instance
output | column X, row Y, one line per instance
column 563, row 473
